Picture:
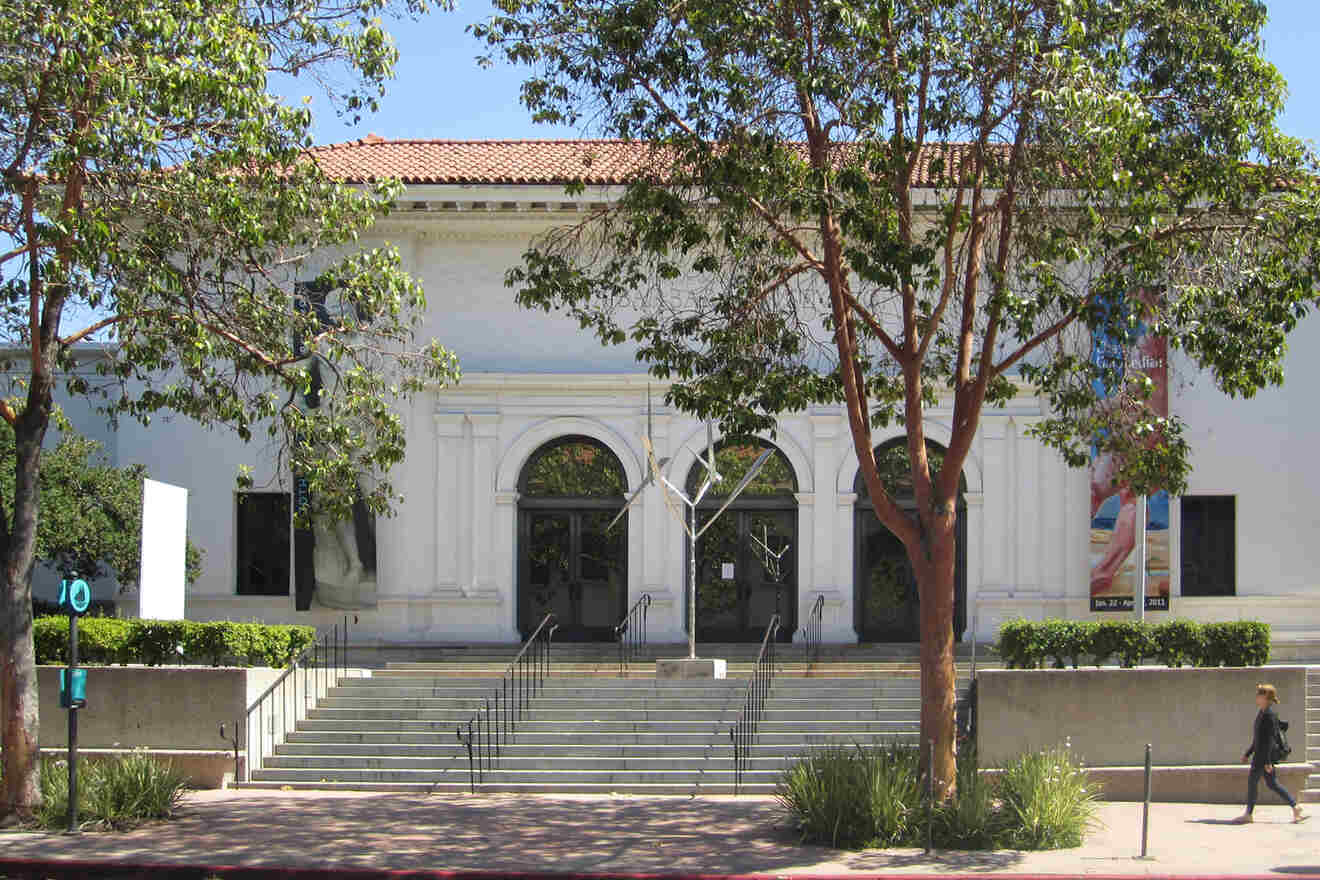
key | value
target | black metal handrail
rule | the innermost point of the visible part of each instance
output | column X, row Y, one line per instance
column 631, row 632
column 811, row 630
column 743, row 732
column 274, row 714
column 486, row 732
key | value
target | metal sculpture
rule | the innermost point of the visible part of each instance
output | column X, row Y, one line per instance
column 688, row 518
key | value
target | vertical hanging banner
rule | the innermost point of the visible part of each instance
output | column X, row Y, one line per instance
column 164, row 551
column 1114, row 506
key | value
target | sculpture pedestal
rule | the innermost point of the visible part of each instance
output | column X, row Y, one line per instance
column 686, row 669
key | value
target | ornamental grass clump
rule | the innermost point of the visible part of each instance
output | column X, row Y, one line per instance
column 113, row 794
column 1046, row 801
column 860, row 797
column 853, row 797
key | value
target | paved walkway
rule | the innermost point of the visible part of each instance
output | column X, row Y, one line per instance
column 634, row 834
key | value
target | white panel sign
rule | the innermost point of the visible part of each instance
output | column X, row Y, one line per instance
column 164, row 549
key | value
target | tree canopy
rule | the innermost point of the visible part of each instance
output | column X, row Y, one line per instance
column 888, row 203
column 159, row 204
column 91, row 519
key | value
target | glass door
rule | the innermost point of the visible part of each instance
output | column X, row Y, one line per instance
column 746, row 573
column 572, row 566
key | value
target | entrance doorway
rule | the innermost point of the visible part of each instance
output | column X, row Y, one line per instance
column 886, row 602
column 747, row 560
column 569, row 563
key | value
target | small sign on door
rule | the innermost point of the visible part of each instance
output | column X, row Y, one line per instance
column 726, row 571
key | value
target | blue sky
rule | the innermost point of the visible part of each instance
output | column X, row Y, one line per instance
column 441, row 93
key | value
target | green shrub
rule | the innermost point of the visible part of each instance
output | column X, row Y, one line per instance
column 1067, row 642
column 107, row 640
column 1178, row 642
column 853, row 797
column 1025, row 644
column 1045, row 801
column 1126, row 640
column 114, row 793
column 1236, row 643
column 156, row 642
column 1020, row 644
column 206, row 641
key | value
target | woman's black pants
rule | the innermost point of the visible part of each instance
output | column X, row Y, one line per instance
column 1253, row 782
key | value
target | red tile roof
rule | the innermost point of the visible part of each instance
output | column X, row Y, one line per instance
column 549, row 162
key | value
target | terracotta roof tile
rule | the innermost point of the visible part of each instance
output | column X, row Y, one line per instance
column 523, row 162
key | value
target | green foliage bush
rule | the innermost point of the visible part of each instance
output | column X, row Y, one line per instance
column 872, row 797
column 1026, row 644
column 1236, row 643
column 1126, row 640
column 110, row 640
column 114, row 793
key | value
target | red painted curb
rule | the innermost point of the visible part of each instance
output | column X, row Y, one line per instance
column 68, row 869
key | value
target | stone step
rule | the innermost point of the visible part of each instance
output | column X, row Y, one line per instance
column 455, row 787
column 544, row 777
column 565, row 740
column 639, row 764
column 533, row 726
column 640, row 704
column 604, row 712
column 698, row 749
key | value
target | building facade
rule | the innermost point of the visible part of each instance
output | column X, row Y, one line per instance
column 513, row 474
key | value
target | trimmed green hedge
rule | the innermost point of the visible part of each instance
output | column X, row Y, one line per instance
column 111, row 640
column 1027, row 644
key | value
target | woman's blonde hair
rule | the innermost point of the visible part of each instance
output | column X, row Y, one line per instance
column 1269, row 691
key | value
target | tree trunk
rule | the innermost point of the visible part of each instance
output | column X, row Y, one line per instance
column 18, row 668
column 935, row 581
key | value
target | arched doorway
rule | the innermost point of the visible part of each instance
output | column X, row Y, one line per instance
column 747, row 560
column 568, row 561
column 885, row 600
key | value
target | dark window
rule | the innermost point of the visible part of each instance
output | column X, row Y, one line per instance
column 732, row 460
column 263, row 544
column 1209, row 539
column 574, row 467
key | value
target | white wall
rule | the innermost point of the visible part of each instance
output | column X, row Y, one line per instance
column 446, row 560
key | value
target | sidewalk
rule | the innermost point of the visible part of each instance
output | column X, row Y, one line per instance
column 638, row 835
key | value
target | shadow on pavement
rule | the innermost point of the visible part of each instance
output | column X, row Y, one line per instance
column 456, row 833
column 1211, row 822
column 962, row 861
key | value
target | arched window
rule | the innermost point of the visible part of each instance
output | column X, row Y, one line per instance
column 746, row 561
column 885, row 599
column 569, row 562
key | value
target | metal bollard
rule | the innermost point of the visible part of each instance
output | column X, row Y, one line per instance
column 1145, row 807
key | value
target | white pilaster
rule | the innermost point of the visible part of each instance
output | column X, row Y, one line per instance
column 484, row 436
column 1028, row 511
column 998, row 489
column 450, row 523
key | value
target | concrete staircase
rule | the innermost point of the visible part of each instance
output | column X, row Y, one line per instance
column 394, row 729
column 1311, row 739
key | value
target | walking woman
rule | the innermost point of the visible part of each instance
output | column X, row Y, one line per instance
column 1262, row 755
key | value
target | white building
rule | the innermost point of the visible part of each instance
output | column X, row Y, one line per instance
column 480, row 545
